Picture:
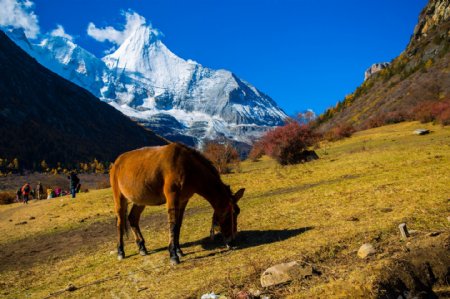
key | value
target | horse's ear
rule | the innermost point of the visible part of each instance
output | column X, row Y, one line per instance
column 238, row 195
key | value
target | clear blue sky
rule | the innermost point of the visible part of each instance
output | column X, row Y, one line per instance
column 304, row 54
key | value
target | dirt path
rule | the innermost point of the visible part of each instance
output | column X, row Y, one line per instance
column 27, row 252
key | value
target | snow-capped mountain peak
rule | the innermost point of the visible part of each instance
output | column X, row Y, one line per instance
column 139, row 50
column 177, row 98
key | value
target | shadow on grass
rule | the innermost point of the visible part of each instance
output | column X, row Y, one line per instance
column 250, row 238
column 244, row 239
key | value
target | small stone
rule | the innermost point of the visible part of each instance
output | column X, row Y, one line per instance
column 403, row 230
column 32, row 218
column 255, row 293
column 243, row 295
column 21, row 223
column 70, row 287
column 210, row 296
column 386, row 210
column 365, row 250
column 10, row 220
column 353, row 218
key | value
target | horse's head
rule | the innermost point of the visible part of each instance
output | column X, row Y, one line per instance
column 227, row 219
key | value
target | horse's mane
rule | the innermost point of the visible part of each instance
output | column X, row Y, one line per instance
column 205, row 161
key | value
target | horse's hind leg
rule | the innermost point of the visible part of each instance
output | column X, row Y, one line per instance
column 121, row 212
column 133, row 217
column 178, row 230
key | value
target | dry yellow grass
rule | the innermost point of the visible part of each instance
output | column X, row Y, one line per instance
column 382, row 176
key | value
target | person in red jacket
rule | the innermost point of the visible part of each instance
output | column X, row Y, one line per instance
column 26, row 189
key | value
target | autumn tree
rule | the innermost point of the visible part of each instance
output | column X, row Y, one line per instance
column 221, row 155
column 44, row 166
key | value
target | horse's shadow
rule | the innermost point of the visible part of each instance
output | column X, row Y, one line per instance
column 244, row 239
column 249, row 238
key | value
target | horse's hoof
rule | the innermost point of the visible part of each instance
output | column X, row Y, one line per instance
column 143, row 252
column 120, row 257
column 174, row 261
column 231, row 247
column 180, row 253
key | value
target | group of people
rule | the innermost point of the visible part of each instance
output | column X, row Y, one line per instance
column 25, row 192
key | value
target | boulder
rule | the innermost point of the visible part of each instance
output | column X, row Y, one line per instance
column 365, row 250
column 285, row 272
column 421, row 132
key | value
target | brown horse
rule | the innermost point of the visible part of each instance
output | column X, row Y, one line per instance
column 169, row 174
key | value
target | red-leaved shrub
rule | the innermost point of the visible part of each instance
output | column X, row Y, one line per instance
column 7, row 197
column 339, row 132
column 286, row 143
column 433, row 111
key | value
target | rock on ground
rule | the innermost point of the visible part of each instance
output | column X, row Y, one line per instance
column 285, row 272
column 365, row 250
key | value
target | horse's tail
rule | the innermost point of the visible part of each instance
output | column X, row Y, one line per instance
column 120, row 201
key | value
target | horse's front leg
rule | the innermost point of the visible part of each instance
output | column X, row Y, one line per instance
column 175, row 221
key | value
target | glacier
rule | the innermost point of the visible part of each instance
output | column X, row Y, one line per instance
column 178, row 99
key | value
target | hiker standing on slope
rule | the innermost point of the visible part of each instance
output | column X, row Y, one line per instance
column 74, row 181
column 26, row 189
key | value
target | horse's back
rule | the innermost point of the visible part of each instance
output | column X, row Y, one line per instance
column 140, row 174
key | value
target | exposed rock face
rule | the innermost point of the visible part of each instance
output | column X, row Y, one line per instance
column 434, row 14
column 374, row 69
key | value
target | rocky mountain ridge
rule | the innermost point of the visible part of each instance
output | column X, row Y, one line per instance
column 418, row 77
column 46, row 117
column 178, row 98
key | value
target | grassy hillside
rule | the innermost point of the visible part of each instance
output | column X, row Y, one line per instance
column 320, row 213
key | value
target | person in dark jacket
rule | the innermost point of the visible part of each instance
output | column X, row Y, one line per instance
column 74, row 181
column 26, row 189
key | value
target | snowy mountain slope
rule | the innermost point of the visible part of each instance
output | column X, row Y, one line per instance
column 146, row 81
column 67, row 59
